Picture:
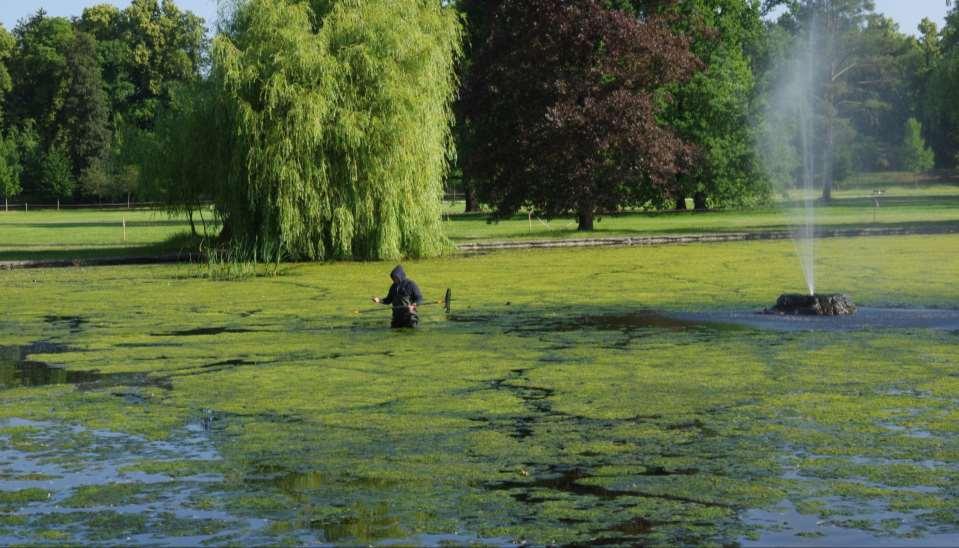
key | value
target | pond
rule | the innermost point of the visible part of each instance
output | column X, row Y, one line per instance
column 181, row 411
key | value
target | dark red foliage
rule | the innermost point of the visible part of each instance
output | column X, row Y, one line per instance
column 562, row 99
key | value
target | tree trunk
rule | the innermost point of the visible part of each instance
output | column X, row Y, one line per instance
column 226, row 232
column 472, row 201
column 699, row 202
column 585, row 218
column 830, row 155
column 681, row 203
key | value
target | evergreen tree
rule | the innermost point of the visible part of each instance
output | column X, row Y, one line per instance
column 85, row 116
column 10, row 167
column 916, row 156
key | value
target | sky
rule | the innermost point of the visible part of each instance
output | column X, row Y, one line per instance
column 907, row 13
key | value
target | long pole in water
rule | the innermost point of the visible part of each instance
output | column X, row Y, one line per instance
column 447, row 303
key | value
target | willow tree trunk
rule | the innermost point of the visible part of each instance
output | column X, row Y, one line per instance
column 827, row 161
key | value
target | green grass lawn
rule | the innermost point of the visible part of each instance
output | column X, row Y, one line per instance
column 549, row 407
column 71, row 234
column 930, row 205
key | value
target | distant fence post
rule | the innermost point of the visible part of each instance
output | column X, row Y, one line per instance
column 26, row 207
column 124, row 229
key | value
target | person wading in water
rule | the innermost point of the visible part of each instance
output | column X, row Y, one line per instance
column 404, row 296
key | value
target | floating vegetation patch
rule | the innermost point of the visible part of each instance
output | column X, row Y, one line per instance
column 568, row 417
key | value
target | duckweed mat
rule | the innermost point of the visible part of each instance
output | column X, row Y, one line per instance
column 569, row 398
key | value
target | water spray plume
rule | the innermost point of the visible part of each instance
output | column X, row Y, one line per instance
column 795, row 155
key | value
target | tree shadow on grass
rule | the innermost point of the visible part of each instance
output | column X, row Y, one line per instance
column 54, row 225
column 822, row 229
column 941, row 201
column 181, row 244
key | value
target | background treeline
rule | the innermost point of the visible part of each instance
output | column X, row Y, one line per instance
column 79, row 94
column 330, row 128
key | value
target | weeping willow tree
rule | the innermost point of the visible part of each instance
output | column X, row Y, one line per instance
column 335, row 120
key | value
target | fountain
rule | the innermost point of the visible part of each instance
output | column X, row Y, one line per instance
column 813, row 305
column 797, row 145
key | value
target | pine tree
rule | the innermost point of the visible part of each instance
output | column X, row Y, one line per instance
column 916, row 156
column 86, row 112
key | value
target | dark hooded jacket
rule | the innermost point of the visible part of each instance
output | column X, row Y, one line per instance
column 402, row 294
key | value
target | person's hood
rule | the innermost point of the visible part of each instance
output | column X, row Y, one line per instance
column 398, row 273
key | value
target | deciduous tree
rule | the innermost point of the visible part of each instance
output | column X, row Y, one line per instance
column 39, row 73
column 564, row 100
column 941, row 99
column 56, row 176
column 717, row 109
column 165, row 45
column 332, row 127
column 8, row 46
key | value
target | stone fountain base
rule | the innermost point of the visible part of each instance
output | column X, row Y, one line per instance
column 813, row 305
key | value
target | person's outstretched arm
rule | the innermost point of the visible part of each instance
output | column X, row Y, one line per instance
column 388, row 299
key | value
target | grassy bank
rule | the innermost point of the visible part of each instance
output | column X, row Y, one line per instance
column 931, row 206
column 83, row 234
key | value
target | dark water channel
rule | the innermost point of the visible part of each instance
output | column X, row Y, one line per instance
column 864, row 318
column 17, row 369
